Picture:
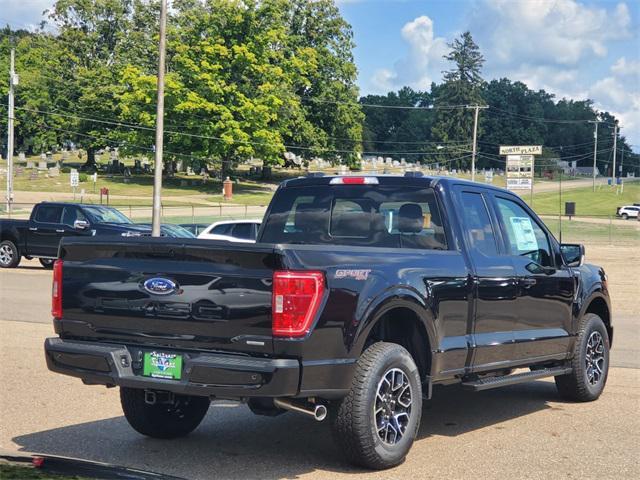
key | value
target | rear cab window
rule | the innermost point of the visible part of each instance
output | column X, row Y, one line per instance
column 359, row 215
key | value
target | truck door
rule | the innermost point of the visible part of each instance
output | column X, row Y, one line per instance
column 494, row 309
column 545, row 289
column 45, row 231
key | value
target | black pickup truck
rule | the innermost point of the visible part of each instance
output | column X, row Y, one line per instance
column 360, row 295
column 39, row 237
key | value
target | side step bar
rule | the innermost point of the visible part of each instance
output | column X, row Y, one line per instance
column 495, row 382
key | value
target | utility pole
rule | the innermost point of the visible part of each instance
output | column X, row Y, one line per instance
column 615, row 138
column 475, row 139
column 157, row 174
column 13, row 80
column 595, row 150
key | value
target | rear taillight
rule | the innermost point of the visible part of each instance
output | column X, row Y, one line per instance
column 56, row 290
column 296, row 299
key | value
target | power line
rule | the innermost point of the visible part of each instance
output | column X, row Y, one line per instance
column 243, row 142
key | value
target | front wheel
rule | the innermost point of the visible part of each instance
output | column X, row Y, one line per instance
column 9, row 254
column 170, row 416
column 590, row 362
column 625, row 216
column 377, row 422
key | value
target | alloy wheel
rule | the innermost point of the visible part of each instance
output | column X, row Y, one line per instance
column 594, row 358
column 392, row 408
column 6, row 254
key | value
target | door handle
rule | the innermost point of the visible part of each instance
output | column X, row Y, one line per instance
column 60, row 230
column 528, row 282
column 33, row 229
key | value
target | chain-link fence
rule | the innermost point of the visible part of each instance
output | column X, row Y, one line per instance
column 576, row 228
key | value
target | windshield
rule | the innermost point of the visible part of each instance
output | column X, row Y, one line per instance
column 99, row 214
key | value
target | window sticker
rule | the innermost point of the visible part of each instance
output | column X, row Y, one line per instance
column 525, row 236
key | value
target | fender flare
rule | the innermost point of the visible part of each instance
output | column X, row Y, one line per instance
column 397, row 297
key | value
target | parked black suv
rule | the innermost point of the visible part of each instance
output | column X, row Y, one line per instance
column 360, row 295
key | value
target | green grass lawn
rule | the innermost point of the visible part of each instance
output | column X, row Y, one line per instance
column 603, row 201
column 579, row 232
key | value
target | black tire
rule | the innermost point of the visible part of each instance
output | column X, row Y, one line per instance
column 584, row 383
column 9, row 254
column 163, row 420
column 624, row 216
column 46, row 263
column 355, row 421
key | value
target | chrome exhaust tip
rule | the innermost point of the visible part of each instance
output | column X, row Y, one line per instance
column 320, row 412
column 317, row 412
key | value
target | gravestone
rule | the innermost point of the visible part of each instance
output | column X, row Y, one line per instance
column 54, row 172
column 33, row 175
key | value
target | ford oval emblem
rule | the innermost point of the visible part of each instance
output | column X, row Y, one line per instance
column 159, row 286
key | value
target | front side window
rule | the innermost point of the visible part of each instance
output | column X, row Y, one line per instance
column 71, row 214
column 524, row 236
column 477, row 224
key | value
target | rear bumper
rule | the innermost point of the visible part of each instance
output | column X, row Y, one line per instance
column 204, row 374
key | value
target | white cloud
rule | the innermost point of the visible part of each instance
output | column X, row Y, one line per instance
column 422, row 64
column 626, row 67
column 561, row 32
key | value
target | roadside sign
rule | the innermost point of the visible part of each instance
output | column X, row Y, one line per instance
column 520, row 149
column 520, row 172
column 74, row 178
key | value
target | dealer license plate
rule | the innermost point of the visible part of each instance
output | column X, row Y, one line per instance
column 162, row 365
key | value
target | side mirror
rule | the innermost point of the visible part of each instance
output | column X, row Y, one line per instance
column 80, row 224
column 573, row 254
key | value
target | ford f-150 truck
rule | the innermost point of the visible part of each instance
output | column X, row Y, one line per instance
column 360, row 295
column 39, row 237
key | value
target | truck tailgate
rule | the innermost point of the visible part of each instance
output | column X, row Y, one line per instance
column 185, row 294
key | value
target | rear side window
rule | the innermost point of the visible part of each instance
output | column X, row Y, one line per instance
column 224, row 229
column 244, row 231
column 49, row 214
column 365, row 215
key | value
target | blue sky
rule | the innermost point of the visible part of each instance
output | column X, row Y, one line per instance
column 572, row 48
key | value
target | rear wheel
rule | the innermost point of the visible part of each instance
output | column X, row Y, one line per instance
column 46, row 263
column 377, row 422
column 171, row 415
column 590, row 362
column 9, row 254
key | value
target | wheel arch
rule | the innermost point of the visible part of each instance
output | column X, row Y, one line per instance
column 403, row 318
column 599, row 305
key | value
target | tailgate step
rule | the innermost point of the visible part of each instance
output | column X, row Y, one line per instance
column 495, row 382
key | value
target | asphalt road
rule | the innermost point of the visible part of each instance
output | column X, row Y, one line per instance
column 523, row 431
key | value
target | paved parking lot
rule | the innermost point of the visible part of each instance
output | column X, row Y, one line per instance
column 523, row 431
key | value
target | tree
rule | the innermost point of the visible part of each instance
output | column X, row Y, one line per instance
column 462, row 86
column 94, row 40
column 400, row 132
